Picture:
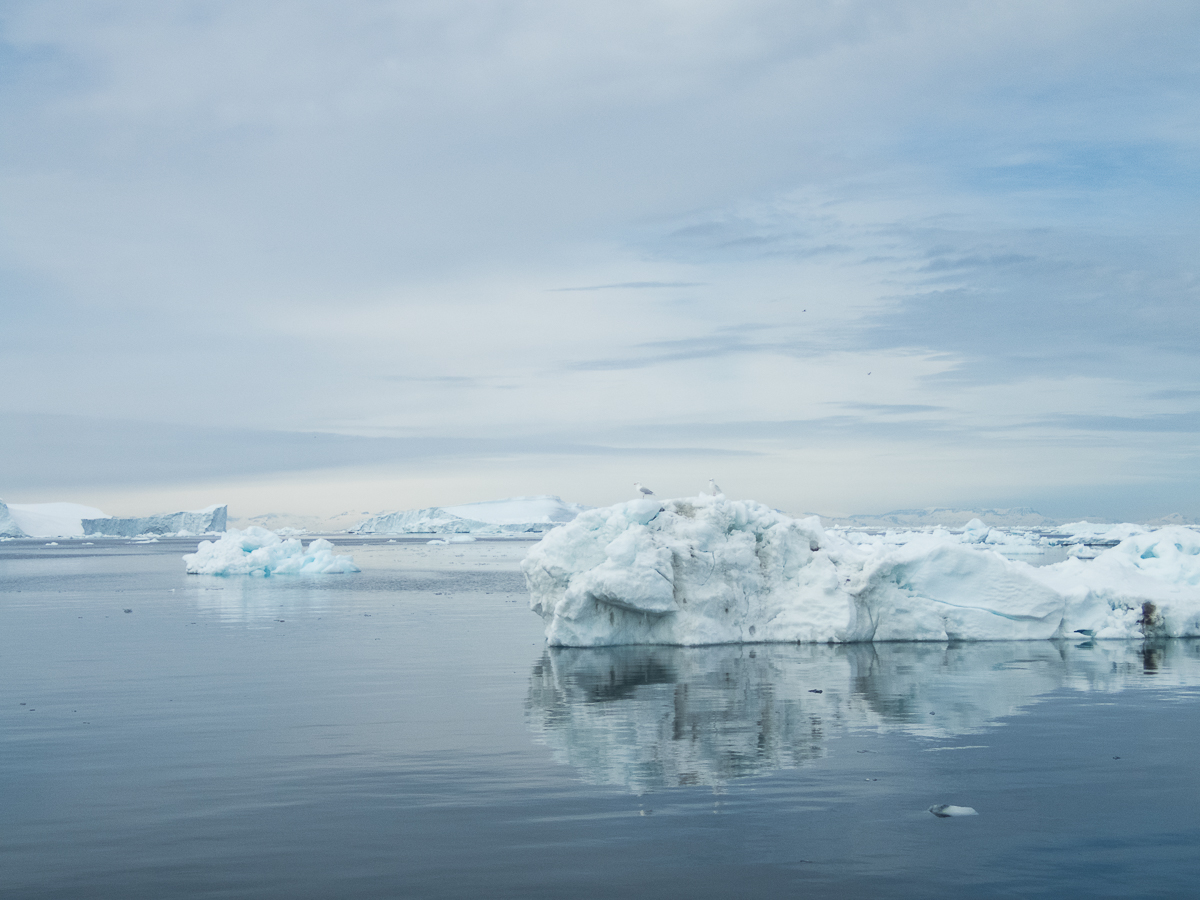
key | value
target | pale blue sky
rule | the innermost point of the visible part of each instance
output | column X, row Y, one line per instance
column 518, row 248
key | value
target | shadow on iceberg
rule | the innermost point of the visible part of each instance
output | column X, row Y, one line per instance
column 650, row 717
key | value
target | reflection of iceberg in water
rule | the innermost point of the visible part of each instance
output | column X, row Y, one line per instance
column 650, row 717
column 258, row 600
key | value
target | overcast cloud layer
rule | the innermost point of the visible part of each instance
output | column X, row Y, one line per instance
column 844, row 256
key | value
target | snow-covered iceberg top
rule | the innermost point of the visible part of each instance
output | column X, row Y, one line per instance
column 516, row 515
column 708, row 570
column 256, row 551
column 52, row 519
column 193, row 521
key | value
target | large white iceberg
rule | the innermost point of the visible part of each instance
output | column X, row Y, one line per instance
column 52, row 519
column 516, row 515
column 708, row 570
column 195, row 521
column 256, row 551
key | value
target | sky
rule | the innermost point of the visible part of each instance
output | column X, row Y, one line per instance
column 845, row 257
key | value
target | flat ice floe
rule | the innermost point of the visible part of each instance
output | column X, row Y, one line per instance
column 257, row 551
column 708, row 570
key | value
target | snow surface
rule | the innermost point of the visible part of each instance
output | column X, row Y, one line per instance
column 515, row 515
column 708, row 570
column 53, row 519
column 256, row 551
column 196, row 521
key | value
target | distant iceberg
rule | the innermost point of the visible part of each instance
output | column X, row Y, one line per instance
column 200, row 521
column 256, row 551
column 52, row 519
column 708, row 570
column 934, row 516
column 8, row 525
column 516, row 515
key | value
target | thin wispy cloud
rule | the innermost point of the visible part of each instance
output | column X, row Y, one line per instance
column 632, row 285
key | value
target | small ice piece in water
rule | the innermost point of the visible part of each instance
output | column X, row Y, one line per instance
column 946, row 811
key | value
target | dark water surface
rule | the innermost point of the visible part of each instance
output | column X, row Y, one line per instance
column 405, row 733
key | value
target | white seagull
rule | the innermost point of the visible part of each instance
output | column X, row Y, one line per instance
column 644, row 491
column 713, row 487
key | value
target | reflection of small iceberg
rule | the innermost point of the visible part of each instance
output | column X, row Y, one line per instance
column 651, row 717
column 946, row 811
column 259, row 601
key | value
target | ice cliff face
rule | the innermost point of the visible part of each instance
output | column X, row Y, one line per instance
column 200, row 521
column 708, row 570
column 8, row 527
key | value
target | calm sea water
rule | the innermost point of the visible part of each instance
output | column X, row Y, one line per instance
column 404, row 732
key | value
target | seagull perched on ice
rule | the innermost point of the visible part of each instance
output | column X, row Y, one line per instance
column 713, row 487
column 643, row 490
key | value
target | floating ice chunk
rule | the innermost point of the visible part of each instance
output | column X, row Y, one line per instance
column 975, row 532
column 257, row 551
column 946, row 811
column 709, row 570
